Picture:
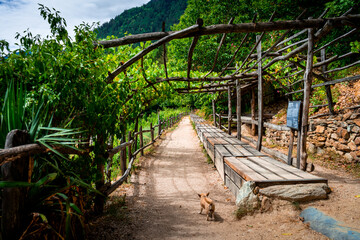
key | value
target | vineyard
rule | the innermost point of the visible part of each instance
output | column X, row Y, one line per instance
column 76, row 112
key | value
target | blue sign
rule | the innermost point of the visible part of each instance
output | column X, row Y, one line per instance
column 293, row 114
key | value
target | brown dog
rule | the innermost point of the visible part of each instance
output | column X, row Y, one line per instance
column 207, row 204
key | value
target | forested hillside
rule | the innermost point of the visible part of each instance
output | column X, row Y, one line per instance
column 147, row 18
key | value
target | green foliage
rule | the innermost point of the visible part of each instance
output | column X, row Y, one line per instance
column 147, row 18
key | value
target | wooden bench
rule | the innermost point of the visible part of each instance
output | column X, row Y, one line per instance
column 237, row 161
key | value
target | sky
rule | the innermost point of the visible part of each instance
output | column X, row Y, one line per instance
column 20, row 15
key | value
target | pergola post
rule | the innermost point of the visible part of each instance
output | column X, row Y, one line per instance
column 327, row 87
column 306, row 103
column 253, row 126
column 214, row 113
column 229, row 110
column 238, row 110
column 260, row 98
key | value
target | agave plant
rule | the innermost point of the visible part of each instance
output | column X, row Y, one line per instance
column 55, row 196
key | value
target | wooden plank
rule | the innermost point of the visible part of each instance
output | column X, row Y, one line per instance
column 243, row 170
column 231, row 185
column 234, row 141
column 293, row 170
column 253, row 151
column 235, row 152
column 216, row 141
column 243, row 150
column 219, row 164
column 224, row 152
column 234, row 176
column 259, row 169
column 285, row 173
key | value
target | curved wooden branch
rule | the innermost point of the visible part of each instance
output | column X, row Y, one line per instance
column 233, row 28
column 153, row 46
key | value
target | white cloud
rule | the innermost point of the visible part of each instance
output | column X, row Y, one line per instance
column 19, row 15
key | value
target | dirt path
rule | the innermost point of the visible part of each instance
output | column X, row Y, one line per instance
column 162, row 201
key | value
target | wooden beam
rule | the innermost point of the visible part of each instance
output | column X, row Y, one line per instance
column 347, row 79
column 260, row 97
column 218, row 49
column 258, row 41
column 245, row 77
column 190, row 54
column 234, row 28
column 306, row 101
column 164, row 54
column 153, row 46
column 337, row 39
column 237, row 50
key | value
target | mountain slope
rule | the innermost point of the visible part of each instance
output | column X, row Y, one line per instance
column 147, row 18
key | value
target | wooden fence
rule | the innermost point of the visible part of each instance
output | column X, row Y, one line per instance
column 130, row 147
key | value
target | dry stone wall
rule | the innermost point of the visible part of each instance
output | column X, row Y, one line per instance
column 340, row 134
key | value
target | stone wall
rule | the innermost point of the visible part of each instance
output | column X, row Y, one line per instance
column 340, row 134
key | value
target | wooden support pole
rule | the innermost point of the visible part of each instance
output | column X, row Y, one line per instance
column 123, row 156
column 327, row 87
column 159, row 123
column 152, row 132
column 260, row 98
column 291, row 146
column 164, row 53
column 220, row 121
column 229, row 110
column 253, row 126
column 136, row 128
column 214, row 113
column 298, row 150
column 238, row 110
column 307, row 93
column 129, row 149
column 13, row 199
column 141, row 141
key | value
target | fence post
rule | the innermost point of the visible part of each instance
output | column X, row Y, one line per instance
column 123, row 156
column 306, row 102
column 159, row 122
column 141, row 142
column 260, row 97
column 152, row 132
column 220, row 121
column 229, row 110
column 214, row 114
column 129, row 150
column 238, row 110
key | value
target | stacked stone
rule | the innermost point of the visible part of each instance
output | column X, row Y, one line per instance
column 340, row 134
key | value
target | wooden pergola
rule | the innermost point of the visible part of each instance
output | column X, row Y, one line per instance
column 251, row 72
